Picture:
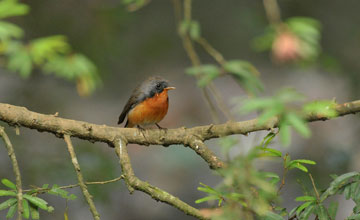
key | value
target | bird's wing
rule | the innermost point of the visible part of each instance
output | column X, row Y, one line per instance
column 131, row 103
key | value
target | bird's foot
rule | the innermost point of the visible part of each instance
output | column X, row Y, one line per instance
column 157, row 125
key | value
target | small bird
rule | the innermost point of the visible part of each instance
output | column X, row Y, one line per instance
column 148, row 103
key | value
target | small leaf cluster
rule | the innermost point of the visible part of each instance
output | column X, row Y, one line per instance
column 31, row 203
column 347, row 184
column 190, row 27
column 247, row 193
column 281, row 106
column 243, row 72
column 50, row 54
column 307, row 30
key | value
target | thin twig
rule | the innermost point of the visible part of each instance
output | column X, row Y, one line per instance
column 44, row 190
column 135, row 183
column 272, row 10
column 79, row 175
column 282, row 183
column 313, row 184
column 195, row 60
column 211, row 50
column 16, row 170
column 190, row 51
column 187, row 10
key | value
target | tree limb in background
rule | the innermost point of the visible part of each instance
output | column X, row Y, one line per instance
column 16, row 170
column 82, row 184
column 135, row 183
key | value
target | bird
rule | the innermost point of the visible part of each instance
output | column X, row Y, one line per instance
column 148, row 103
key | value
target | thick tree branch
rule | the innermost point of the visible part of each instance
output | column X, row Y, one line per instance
column 20, row 116
column 135, row 183
column 192, row 137
column 79, row 175
column 16, row 170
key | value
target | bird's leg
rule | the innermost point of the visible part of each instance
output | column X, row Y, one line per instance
column 161, row 128
column 142, row 130
column 157, row 125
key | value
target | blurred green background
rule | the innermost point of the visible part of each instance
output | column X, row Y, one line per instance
column 127, row 47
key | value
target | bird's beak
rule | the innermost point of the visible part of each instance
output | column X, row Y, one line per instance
column 170, row 88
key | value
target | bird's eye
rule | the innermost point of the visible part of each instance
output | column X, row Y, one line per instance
column 158, row 86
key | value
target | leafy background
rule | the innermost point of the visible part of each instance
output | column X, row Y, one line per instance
column 126, row 48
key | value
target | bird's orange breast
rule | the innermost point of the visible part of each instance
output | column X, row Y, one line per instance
column 150, row 111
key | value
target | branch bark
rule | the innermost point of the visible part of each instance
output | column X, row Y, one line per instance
column 20, row 116
column 16, row 170
column 192, row 137
column 79, row 175
column 156, row 193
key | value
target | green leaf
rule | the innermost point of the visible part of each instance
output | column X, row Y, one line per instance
column 55, row 190
column 299, row 166
column 10, row 8
column 347, row 192
column 305, row 198
column 26, row 209
column 308, row 31
column 8, row 184
column 307, row 212
column 332, row 210
column 246, row 74
column 207, row 198
column 7, row 193
column 355, row 190
column 184, row 27
column 269, row 113
column 10, row 214
column 267, row 139
column 356, row 209
column 8, row 203
column 321, row 212
column 337, row 183
column 285, row 134
column 34, row 211
column 354, row 217
column 303, row 206
column 257, row 104
column 273, row 216
column 194, row 30
column 72, row 197
column 45, row 48
column 207, row 189
column 298, row 123
column 325, row 108
column 273, row 176
column 37, row 201
column 9, row 30
column 292, row 211
column 289, row 95
column 272, row 152
column 206, row 72
column 265, row 41
column 304, row 161
column 20, row 61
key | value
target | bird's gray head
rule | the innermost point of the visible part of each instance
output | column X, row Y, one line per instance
column 154, row 85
